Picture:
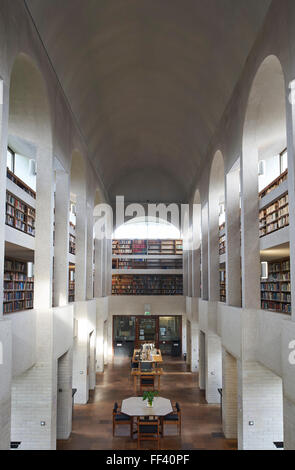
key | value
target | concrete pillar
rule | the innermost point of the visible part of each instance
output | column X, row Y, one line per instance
column 81, row 245
column 291, row 183
column 5, row 383
column 100, row 316
column 64, row 395
column 213, row 251
column 189, row 272
column 185, row 270
column 229, row 395
column 260, row 407
column 98, row 268
column 43, row 269
column 289, row 424
column 202, row 360
column 90, row 248
column 204, row 251
column 213, row 368
column 34, row 394
column 4, row 94
column 233, row 239
column 196, row 273
column 194, row 345
column 92, row 362
column 250, row 245
column 81, row 355
column 61, row 243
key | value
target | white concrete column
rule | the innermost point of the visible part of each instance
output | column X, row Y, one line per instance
column 233, row 239
column 204, row 251
column 90, row 249
column 250, row 245
column 81, row 245
column 92, row 362
column 185, row 270
column 194, row 345
column 5, row 383
column 229, row 395
column 98, row 268
column 289, row 424
column 260, row 407
column 202, row 360
column 189, row 272
column 43, row 269
column 41, row 379
column 64, row 395
column 61, row 242
column 196, row 273
column 4, row 94
column 101, row 314
column 290, row 106
column 213, row 367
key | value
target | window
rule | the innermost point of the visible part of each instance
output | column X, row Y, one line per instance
column 283, row 161
column 10, row 160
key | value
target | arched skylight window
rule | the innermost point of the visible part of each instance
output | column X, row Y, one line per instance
column 149, row 228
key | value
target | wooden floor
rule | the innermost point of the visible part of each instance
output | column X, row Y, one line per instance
column 201, row 423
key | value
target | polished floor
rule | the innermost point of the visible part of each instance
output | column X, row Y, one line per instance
column 201, row 423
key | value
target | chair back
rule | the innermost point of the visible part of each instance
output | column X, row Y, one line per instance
column 148, row 428
column 177, row 407
column 115, row 409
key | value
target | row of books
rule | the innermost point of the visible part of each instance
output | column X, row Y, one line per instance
column 147, row 264
column 147, row 285
column 147, row 247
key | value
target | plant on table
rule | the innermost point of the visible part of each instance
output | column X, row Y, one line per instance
column 149, row 396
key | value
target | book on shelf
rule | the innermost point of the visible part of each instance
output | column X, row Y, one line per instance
column 276, row 289
column 18, row 291
column 274, row 217
column 19, row 215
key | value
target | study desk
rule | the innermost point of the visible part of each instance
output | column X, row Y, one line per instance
column 156, row 358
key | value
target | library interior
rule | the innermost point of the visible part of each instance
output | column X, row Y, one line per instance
column 159, row 332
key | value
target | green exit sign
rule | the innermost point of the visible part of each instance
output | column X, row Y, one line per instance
column 147, row 313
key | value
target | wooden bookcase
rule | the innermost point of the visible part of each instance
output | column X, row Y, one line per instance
column 147, row 284
column 19, row 215
column 222, row 282
column 72, row 244
column 274, row 217
column 147, row 247
column 71, row 283
column 18, row 288
column 147, row 263
column 222, row 245
column 276, row 290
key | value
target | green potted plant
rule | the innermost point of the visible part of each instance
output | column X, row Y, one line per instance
column 149, row 396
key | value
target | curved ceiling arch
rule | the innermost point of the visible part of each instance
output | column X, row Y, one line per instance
column 148, row 80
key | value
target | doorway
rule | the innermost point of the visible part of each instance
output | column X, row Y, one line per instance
column 131, row 332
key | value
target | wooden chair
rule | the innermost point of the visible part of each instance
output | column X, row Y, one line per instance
column 121, row 419
column 173, row 418
column 147, row 382
column 148, row 430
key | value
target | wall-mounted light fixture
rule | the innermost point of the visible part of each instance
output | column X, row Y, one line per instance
column 264, row 270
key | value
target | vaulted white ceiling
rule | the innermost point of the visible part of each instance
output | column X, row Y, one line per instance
column 148, row 81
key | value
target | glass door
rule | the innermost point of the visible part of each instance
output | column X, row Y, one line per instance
column 170, row 332
column 123, row 335
column 147, row 329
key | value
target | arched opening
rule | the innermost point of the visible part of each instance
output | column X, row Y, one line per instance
column 78, row 233
column 265, row 237
column 266, row 259
column 150, row 228
column 217, row 274
column 29, row 236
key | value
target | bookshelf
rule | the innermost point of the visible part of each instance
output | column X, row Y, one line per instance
column 71, row 283
column 274, row 184
column 147, row 263
column 222, row 245
column 222, row 282
column 276, row 289
column 72, row 244
column 152, row 284
column 147, row 247
column 18, row 287
column 19, row 215
column 275, row 216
